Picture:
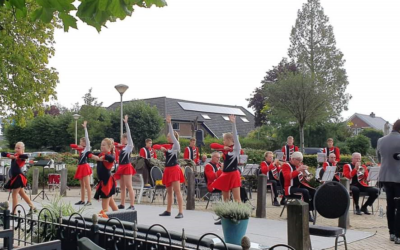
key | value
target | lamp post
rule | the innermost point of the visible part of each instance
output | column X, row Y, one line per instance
column 121, row 88
column 76, row 117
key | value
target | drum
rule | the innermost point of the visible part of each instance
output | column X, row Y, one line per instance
column 54, row 178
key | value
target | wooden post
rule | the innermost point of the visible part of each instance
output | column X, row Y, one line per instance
column 35, row 181
column 344, row 221
column 261, row 211
column 63, row 182
column 297, row 225
column 190, row 204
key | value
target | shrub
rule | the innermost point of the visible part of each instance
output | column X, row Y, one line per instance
column 233, row 210
column 359, row 143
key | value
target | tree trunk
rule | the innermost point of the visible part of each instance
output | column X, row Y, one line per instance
column 301, row 138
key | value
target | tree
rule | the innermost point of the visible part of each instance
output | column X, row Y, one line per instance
column 89, row 100
column 298, row 98
column 359, row 143
column 257, row 100
column 373, row 135
column 313, row 47
column 144, row 122
column 26, row 81
column 95, row 13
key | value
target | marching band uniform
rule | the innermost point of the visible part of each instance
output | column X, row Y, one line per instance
column 192, row 153
column 124, row 157
column 331, row 150
column 230, row 177
column 172, row 171
column 107, row 184
column 83, row 167
column 18, row 179
column 288, row 151
column 294, row 182
column 211, row 173
column 147, row 153
column 272, row 173
column 358, row 184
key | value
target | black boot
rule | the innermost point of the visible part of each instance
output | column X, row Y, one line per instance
column 358, row 211
column 310, row 217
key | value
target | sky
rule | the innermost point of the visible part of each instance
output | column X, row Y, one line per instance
column 219, row 51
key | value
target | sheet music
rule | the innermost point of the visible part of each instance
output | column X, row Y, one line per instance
column 250, row 169
column 373, row 174
column 279, row 156
column 321, row 157
column 329, row 173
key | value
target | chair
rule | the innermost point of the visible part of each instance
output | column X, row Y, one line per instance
column 156, row 175
column 289, row 198
column 215, row 194
column 331, row 201
column 281, row 245
column 138, row 184
column 363, row 195
column 86, row 244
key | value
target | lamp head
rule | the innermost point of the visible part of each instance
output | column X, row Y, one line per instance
column 121, row 88
column 76, row 116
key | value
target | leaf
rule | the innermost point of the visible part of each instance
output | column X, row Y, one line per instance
column 103, row 4
column 36, row 14
column 20, row 13
column 19, row 4
column 68, row 21
column 117, row 8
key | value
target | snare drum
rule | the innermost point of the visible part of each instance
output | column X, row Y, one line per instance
column 54, row 178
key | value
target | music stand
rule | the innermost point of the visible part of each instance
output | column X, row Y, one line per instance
column 250, row 169
column 42, row 163
column 321, row 157
column 329, row 173
column 373, row 174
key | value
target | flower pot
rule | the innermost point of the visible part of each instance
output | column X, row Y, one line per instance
column 234, row 231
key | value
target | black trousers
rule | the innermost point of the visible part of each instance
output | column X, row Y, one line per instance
column 372, row 193
column 275, row 185
column 308, row 195
column 393, row 217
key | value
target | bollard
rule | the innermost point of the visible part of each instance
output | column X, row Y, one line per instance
column 261, row 211
column 297, row 225
column 35, row 181
column 63, row 184
column 190, row 200
column 344, row 221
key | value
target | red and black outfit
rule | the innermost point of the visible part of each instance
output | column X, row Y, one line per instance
column 83, row 166
column 172, row 171
column 147, row 153
column 330, row 164
column 358, row 184
column 294, row 184
column 18, row 179
column 331, row 150
column 211, row 173
column 288, row 151
column 107, row 184
column 272, row 172
column 230, row 177
column 192, row 153
column 124, row 157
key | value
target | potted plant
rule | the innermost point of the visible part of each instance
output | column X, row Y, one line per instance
column 234, row 219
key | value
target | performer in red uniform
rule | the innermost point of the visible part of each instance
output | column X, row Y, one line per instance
column 148, row 152
column 230, row 180
column 293, row 179
column 106, row 187
column 289, row 149
column 331, row 149
column 272, row 169
column 331, row 162
column 173, row 175
column 125, row 169
column 18, row 180
column 192, row 152
column 83, row 171
column 358, row 183
column 212, row 170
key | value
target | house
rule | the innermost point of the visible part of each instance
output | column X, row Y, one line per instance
column 213, row 119
column 358, row 122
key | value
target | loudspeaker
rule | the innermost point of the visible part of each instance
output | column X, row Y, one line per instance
column 199, row 137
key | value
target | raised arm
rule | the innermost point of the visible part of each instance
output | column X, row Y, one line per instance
column 129, row 146
column 236, row 146
column 87, row 148
column 176, row 145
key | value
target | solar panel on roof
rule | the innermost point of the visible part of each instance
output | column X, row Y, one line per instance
column 210, row 108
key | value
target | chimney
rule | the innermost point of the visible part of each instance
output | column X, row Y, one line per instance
column 372, row 115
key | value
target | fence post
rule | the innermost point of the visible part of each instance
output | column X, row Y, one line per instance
column 95, row 229
column 63, row 184
column 190, row 204
column 6, row 222
column 297, row 225
column 35, row 181
column 344, row 221
column 261, row 211
column 246, row 243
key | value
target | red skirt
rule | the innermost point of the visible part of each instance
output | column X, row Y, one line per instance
column 18, row 181
column 227, row 181
column 82, row 171
column 172, row 174
column 124, row 169
column 105, row 190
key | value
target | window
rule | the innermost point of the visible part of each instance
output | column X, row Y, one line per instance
column 206, row 117
column 175, row 126
column 226, row 118
column 244, row 119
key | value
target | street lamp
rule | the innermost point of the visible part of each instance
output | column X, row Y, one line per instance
column 76, row 117
column 121, row 88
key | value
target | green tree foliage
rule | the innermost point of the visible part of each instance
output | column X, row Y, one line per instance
column 373, row 135
column 144, row 122
column 26, row 81
column 359, row 143
column 95, row 13
column 313, row 47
